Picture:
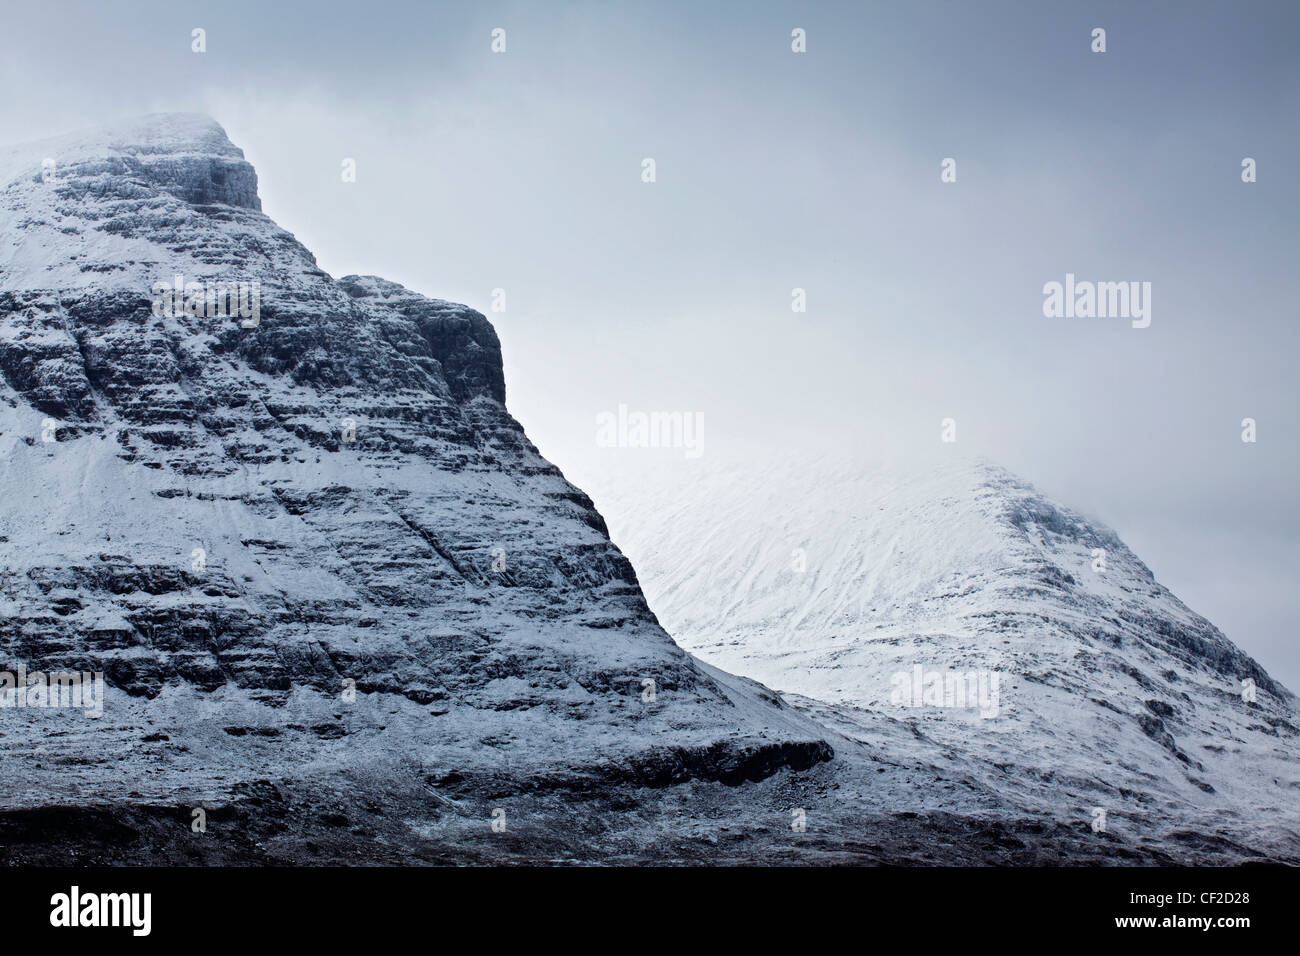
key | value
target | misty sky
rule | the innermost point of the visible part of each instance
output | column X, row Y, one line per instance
column 777, row 170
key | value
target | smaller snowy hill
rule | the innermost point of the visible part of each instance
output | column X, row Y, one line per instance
column 869, row 589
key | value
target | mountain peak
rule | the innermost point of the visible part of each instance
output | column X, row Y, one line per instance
column 166, row 132
column 187, row 155
column 141, row 134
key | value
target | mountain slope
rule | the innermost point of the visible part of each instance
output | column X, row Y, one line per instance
column 834, row 580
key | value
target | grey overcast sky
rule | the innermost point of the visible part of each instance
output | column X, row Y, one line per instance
column 820, row 170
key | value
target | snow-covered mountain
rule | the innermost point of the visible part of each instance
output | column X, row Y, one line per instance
column 345, row 608
column 863, row 587
column 240, row 519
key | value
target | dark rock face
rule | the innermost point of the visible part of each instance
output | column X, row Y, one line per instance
column 460, row 341
column 257, row 515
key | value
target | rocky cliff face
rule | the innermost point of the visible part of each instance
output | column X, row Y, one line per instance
column 240, row 518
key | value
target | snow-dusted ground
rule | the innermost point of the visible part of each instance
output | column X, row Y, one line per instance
column 829, row 579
